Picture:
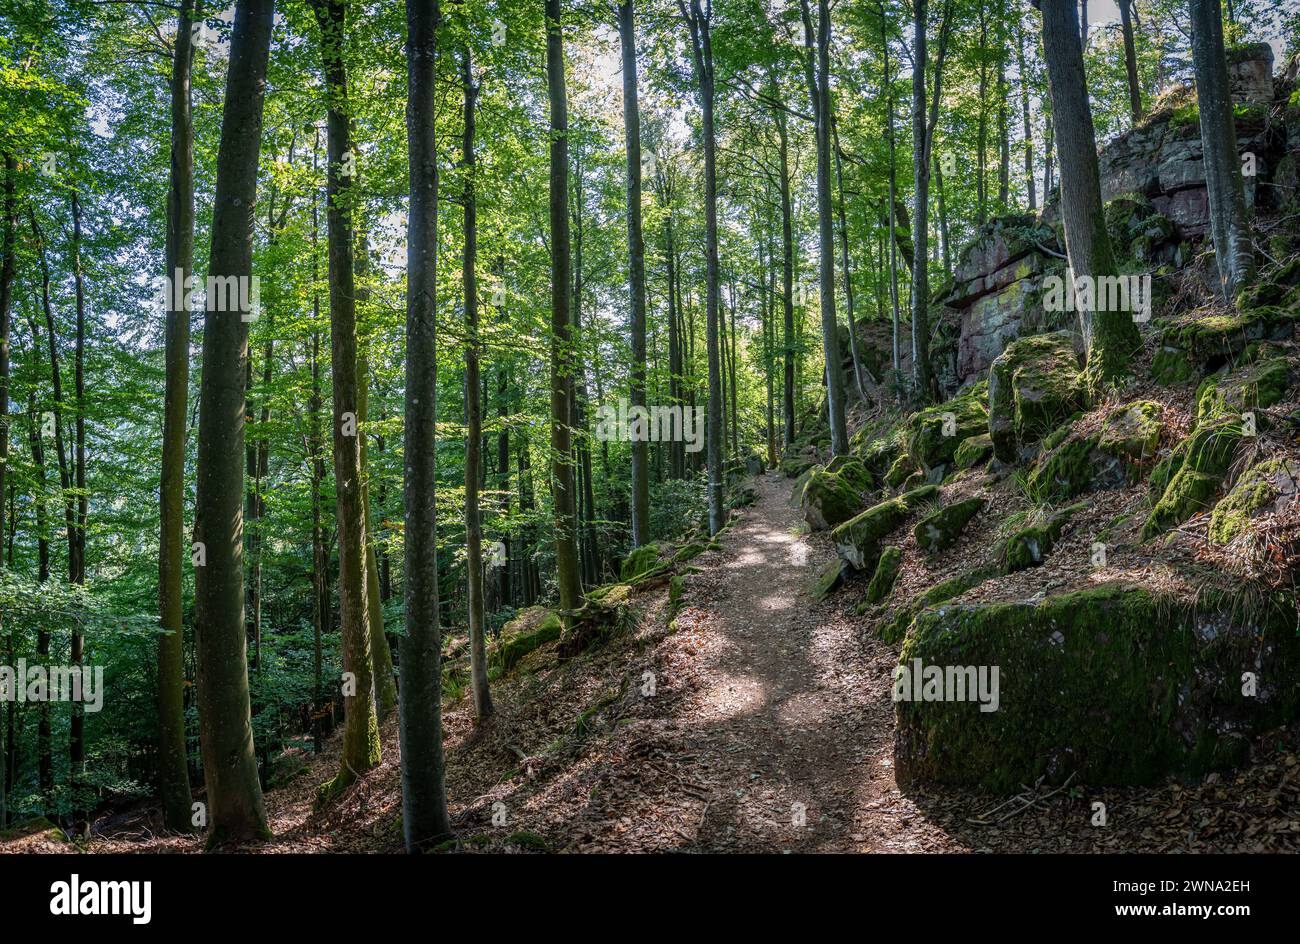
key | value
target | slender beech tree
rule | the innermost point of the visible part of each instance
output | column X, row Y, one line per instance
column 234, row 795
column 424, row 797
column 360, row 722
column 817, row 42
column 923, row 381
column 1111, row 337
column 562, row 353
column 1130, row 60
column 1229, row 226
column 635, row 267
column 7, row 266
column 173, row 775
column 473, row 403
column 698, row 19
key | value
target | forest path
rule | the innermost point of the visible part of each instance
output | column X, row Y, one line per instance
column 787, row 706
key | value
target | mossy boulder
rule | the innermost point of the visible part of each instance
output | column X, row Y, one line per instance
column 943, row 591
column 1189, row 478
column 688, row 552
column 1196, row 343
column 858, row 539
column 851, row 470
column 900, row 471
column 882, row 581
column 793, row 465
column 1033, row 385
column 879, row 454
column 830, row 579
column 1029, row 546
column 530, row 628
column 1075, row 466
column 829, row 499
column 941, row 528
column 1111, row 683
column 639, row 561
column 1262, row 488
column 1131, row 433
column 973, row 451
column 935, row 432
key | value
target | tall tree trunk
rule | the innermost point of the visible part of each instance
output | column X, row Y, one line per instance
column 234, row 796
column 702, row 58
column 922, row 139
column 6, row 302
column 562, row 358
column 636, row 266
column 1028, row 130
column 77, row 563
column 887, row 83
column 1130, row 60
column 819, row 91
column 787, row 279
column 844, row 262
column 473, row 407
column 44, row 765
column 173, row 773
column 1004, row 119
column 982, row 134
column 1111, row 337
column 1228, row 221
column 424, row 798
column 361, row 747
column 381, row 655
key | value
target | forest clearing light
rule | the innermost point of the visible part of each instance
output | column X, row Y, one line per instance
column 676, row 423
column 37, row 683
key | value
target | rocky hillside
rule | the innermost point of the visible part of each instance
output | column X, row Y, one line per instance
column 1129, row 565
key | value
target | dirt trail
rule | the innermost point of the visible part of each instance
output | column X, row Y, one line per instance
column 787, row 707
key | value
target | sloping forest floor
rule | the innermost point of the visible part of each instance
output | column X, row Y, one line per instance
column 755, row 720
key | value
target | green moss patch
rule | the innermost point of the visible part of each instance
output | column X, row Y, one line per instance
column 941, row 528
column 1255, row 492
column 882, row 581
column 973, row 451
column 1033, row 385
column 858, row 540
column 1110, row 683
column 829, row 499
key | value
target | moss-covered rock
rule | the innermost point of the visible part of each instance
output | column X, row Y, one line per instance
column 879, row 454
column 639, row 561
column 858, row 540
column 530, row 628
column 900, row 471
column 1257, row 491
column 1196, row 342
column 941, row 592
column 1111, row 683
column 1131, row 433
column 828, row 500
column 973, row 451
column 830, row 579
column 1188, row 480
column 882, row 581
column 688, row 552
column 942, row 527
column 1033, row 385
column 1072, row 468
column 852, row 471
column 1030, row 545
column 935, row 432
column 792, row 466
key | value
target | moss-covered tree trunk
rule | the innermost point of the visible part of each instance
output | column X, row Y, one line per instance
column 1111, row 336
column 234, row 796
column 360, row 723
column 6, row 301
